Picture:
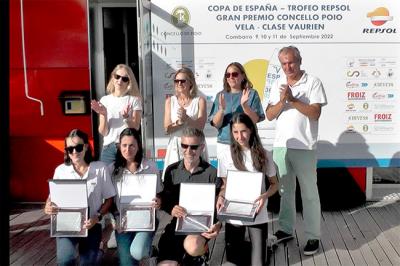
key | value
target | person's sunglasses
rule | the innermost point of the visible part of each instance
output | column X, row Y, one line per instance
column 124, row 79
column 233, row 75
column 192, row 147
column 181, row 81
column 78, row 148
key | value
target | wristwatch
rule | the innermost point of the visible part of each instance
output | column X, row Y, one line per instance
column 99, row 216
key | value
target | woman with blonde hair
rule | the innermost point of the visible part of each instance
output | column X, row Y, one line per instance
column 120, row 109
column 184, row 109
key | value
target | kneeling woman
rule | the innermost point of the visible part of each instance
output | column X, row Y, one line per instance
column 246, row 153
column 79, row 164
column 132, row 246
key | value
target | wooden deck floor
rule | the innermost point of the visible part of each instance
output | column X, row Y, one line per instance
column 367, row 235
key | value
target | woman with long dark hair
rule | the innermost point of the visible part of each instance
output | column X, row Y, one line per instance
column 79, row 164
column 130, row 162
column 237, row 96
column 246, row 153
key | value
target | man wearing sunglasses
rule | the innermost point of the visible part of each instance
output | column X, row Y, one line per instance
column 190, row 249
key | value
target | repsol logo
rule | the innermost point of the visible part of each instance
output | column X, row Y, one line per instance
column 383, row 117
column 380, row 30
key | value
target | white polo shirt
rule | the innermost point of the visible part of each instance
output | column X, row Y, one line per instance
column 293, row 129
column 98, row 182
column 225, row 163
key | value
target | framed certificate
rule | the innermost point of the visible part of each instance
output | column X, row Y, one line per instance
column 137, row 217
column 199, row 202
column 242, row 189
column 69, row 222
column 136, row 202
column 238, row 210
column 72, row 211
column 193, row 224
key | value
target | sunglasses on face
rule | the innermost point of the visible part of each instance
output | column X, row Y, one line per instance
column 78, row 148
column 192, row 147
column 233, row 75
column 124, row 79
column 179, row 81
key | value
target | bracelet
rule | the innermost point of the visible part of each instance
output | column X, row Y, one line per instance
column 221, row 196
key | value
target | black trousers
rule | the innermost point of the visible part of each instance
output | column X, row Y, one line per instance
column 236, row 248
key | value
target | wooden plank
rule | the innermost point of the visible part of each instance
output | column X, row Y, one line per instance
column 31, row 250
column 218, row 249
column 49, row 252
column 327, row 243
column 351, row 245
column 13, row 216
column 294, row 251
column 17, row 241
column 23, row 221
column 383, row 236
column 320, row 258
column 362, row 217
column 359, row 239
column 340, row 246
column 301, row 242
column 280, row 251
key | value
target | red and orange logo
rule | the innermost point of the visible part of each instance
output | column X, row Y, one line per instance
column 379, row 16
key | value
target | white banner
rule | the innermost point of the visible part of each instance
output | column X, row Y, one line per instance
column 352, row 46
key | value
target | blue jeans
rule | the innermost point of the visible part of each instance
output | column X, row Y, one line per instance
column 88, row 248
column 108, row 153
column 133, row 246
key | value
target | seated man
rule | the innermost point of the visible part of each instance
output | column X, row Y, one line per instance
column 182, row 249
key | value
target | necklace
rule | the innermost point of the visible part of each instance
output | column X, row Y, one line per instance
column 184, row 102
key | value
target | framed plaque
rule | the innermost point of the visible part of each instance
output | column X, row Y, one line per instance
column 199, row 202
column 136, row 202
column 72, row 211
column 242, row 189
column 137, row 217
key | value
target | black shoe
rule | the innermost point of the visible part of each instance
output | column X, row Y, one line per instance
column 311, row 247
column 282, row 236
column 196, row 261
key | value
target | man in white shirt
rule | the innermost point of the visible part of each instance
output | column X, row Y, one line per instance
column 295, row 102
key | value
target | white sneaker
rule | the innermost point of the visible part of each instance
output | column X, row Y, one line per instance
column 112, row 242
column 271, row 240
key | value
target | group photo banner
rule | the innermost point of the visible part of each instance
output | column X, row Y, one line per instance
column 353, row 47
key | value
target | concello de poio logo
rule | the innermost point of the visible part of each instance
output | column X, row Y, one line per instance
column 378, row 17
column 180, row 17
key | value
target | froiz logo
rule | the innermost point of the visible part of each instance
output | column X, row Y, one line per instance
column 379, row 17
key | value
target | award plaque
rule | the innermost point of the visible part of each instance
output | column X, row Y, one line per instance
column 193, row 224
column 242, row 189
column 198, row 200
column 136, row 202
column 72, row 211
column 137, row 217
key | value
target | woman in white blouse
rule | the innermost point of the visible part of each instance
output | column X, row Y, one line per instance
column 79, row 164
column 183, row 109
column 120, row 109
column 246, row 153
